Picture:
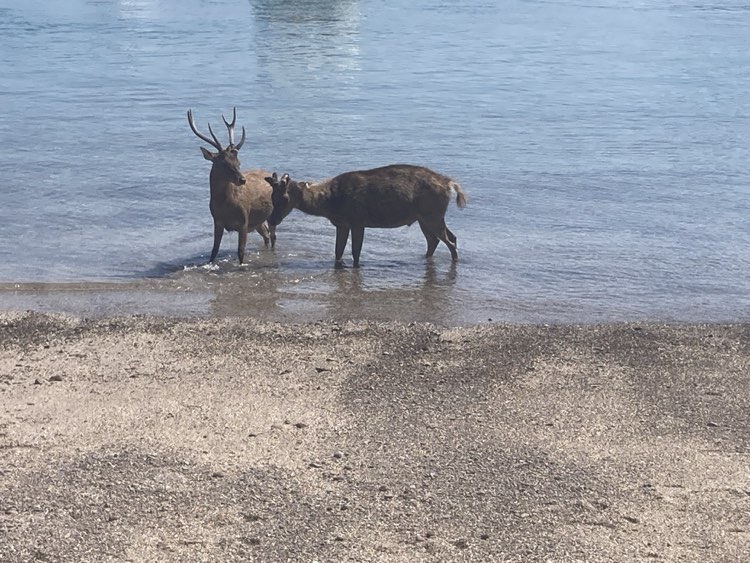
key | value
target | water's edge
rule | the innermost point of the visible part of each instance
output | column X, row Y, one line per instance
column 170, row 299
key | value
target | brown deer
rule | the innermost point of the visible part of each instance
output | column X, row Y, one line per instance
column 386, row 197
column 240, row 201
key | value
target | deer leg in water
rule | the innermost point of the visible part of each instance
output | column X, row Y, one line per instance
column 442, row 232
column 272, row 234
column 342, row 235
column 241, row 243
column 451, row 236
column 358, row 235
column 432, row 239
column 262, row 230
column 449, row 239
column 218, row 233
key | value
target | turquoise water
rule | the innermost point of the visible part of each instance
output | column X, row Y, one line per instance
column 605, row 148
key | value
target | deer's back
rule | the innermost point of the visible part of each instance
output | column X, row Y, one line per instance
column 389, row 196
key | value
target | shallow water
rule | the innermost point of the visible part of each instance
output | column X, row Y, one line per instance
column 605, row 148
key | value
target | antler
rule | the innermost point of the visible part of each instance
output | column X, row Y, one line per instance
column 230, row 129
column 230, row 126
column 215, row 142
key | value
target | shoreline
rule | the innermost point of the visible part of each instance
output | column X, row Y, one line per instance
column 349, row 302
column 159, row 438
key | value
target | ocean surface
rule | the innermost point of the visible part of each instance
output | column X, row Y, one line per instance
column 604, row 146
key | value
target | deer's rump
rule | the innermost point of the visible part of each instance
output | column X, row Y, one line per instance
column 256, row 194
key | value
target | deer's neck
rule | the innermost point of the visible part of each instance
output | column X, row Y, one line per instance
column 313, row 198
column 221, row 188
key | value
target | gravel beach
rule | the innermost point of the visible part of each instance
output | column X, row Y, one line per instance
column 143, row 438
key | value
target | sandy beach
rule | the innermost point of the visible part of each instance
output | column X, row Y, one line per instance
column 142, row 438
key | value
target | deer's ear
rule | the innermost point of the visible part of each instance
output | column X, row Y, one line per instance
column 208, row 155
column 285, row 180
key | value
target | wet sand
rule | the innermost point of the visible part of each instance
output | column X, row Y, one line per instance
column 142, row 438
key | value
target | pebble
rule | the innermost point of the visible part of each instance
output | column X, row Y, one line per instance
column 56, row 378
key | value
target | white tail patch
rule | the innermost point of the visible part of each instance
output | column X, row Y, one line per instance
column 460, row 194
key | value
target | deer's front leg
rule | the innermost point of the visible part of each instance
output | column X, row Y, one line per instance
column 358, row 235
column 218, row 233
column 342, row 234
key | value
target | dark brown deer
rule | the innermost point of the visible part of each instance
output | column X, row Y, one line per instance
column 386, row 197
column 240, row 201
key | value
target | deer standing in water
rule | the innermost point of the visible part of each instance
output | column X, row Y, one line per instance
column 386, row 197
column 240, row 201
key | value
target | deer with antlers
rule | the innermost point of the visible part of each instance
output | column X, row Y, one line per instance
column 240, row 201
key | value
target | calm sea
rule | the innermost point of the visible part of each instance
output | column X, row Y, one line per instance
column 604, row 146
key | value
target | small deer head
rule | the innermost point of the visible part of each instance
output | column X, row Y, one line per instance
column 282, row 201
column 226, row 161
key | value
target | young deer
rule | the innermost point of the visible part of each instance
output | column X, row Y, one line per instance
column 386, row 197
column 240, row 201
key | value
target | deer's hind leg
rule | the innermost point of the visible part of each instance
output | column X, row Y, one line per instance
column 439, row 231
column 264, row 231
column 451, row 244
column 241, row 243
column 451, row 236
column 432, row 239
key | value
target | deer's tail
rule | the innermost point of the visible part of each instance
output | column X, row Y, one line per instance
column 460, row 194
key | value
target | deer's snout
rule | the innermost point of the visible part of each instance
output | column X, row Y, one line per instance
column 240, row 180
